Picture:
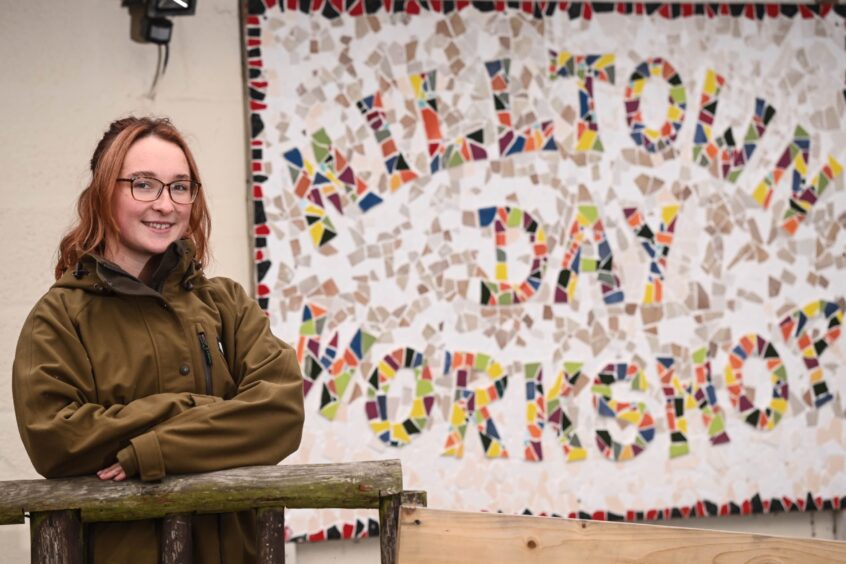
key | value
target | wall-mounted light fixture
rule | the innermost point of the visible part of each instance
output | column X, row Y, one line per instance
column 149, row 23
column 149, row 18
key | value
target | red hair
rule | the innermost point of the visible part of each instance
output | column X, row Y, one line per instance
column 96, row 221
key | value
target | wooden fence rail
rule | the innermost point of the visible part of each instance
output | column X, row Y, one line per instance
column 59, row 508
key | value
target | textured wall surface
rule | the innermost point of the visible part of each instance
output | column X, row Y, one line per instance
column 68, row 70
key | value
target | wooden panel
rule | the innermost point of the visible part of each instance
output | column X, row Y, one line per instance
column 430, row 536
column 351, row 485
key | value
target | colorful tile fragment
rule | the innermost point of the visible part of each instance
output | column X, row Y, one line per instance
column 626, row 413
column 396, row 163
column 312, row 188
column 318, row 183
column 341, row 370
column 802, row 196
column 753, row 345
column 679, row 397
column 657, row 246
column 336, row 168
column 795, row 327
column 357, row 529
column 538, row 137
column 707, row 508
column 569, row 380
column 586, row 69
column 443, row 155
column 587, row 219
column 473, row 403
column 508, row 221
column 655, row 140
column 378, row 386
column 730, row 160
column 308, row 345
column 535, row 412
column 257, row 90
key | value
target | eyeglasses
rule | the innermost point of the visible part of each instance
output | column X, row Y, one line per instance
column 145, row 189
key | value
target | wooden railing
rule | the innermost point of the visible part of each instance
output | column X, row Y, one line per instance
column 59, row 508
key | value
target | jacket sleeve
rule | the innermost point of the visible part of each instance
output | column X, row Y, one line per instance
column 261, row 424
column 65, row 432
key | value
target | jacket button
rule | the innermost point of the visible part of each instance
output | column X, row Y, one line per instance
column 184, row 369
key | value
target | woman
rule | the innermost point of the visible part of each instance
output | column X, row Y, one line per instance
column 134, row 364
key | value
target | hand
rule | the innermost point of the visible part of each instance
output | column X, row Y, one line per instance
column 114, row 472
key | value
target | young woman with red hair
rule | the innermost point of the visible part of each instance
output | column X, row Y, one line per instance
column 135, row 365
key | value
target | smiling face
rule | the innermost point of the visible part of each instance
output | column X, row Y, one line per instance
column 146, row 229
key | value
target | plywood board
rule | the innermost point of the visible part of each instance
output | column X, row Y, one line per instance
column 429, row 536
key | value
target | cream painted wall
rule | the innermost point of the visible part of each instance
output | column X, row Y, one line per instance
column 68, row 69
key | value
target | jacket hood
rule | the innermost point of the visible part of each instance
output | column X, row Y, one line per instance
column 97, row 275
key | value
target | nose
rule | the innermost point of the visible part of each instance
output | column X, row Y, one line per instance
column 164, row 203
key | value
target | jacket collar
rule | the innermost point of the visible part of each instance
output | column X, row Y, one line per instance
column 94, row 273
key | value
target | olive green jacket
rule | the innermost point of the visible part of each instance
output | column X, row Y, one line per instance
column 177, row 377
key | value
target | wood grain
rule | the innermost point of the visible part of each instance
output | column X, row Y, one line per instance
column 56, row 538
column 177, row 546
column 389, row 511
column 445, row 537
column 270, row 541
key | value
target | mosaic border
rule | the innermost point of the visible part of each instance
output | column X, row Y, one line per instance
column 704, row 508
column 542, row 8
column 257, row 92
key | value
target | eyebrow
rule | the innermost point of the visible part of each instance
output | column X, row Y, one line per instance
column 151, row 174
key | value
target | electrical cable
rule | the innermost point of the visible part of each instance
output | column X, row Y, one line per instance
column 161, row 67
column 159, row 72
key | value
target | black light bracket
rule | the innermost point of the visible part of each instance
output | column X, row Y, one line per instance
column 149, row 21
column 157, row 30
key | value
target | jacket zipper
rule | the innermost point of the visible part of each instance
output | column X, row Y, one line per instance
column 207, row 366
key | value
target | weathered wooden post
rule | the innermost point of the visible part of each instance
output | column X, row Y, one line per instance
column 270, row 544
column 389, row 507
column 56, row 538
column 389, row 514
column 177, row 545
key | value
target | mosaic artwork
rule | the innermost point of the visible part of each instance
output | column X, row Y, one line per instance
column 573, row 259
